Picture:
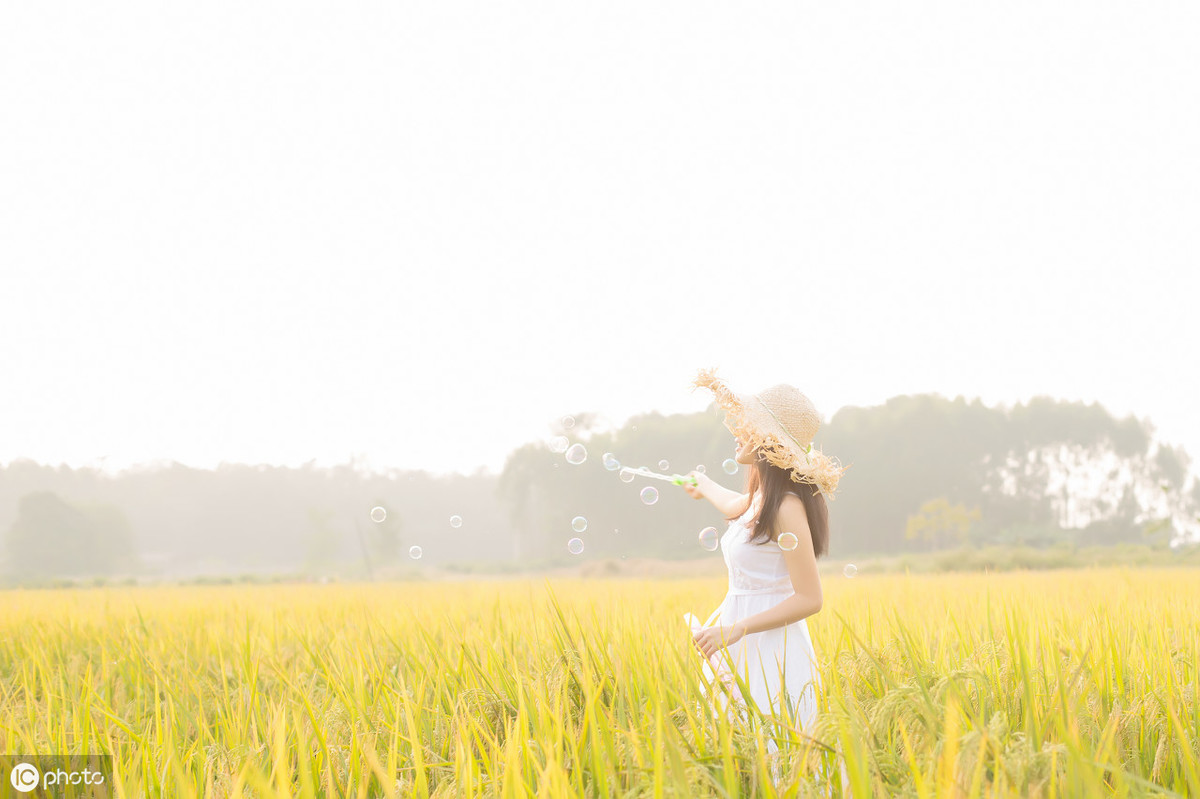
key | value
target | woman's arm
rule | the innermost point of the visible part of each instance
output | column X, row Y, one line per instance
column 806, row 583
column 802, row 568
column 730, row 503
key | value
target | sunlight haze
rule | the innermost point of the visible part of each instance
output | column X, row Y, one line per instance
column 419, row 234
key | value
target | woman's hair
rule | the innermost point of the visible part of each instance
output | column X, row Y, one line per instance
column 772, row 482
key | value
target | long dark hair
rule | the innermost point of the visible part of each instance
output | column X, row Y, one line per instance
column 772, row 482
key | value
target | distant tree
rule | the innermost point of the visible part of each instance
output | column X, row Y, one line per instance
column 940, row 524
column 322, row 541
column 383, row 537
column 543, row 492
column 1009, row 462
column 1158, row 533
column 52, row 537
column 1121, row 525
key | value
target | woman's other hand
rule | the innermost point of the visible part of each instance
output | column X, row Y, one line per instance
column 711, row 640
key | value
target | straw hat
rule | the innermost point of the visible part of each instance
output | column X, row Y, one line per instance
column 781, row 422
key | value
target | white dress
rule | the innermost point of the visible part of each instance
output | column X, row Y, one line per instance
column 778, row 665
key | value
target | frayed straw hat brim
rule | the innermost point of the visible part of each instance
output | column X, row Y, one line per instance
column 780, row 422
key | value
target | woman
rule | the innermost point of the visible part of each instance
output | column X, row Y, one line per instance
column 778, row 528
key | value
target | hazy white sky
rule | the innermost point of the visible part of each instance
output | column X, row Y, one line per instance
column 420, row 233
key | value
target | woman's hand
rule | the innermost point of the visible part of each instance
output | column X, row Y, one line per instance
column 713, row 639
column 703, row 481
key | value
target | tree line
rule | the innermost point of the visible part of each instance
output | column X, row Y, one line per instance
column 925, row 473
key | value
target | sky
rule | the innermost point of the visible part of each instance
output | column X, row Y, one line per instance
column 416, row 235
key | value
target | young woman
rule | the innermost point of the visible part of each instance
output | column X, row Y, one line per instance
column 778, row 528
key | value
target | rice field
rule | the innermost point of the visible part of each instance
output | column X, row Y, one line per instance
column 1049, row 684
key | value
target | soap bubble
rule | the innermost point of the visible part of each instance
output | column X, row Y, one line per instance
column 663, row 465
column 414, row 553
column 649, row 495
column 579, row 524
column 610, row 462
column 575, row 546
column 700, row 468
column 850, row 570
column 626, row 476
column 456, row 521
column 708, row 538
column 559, row 444
column 788, row 541
column 730, row 466
column 378, row 514
column 568, row 422
column 577, row 454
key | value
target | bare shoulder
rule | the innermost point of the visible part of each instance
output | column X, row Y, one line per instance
column 793, row 518
column 792, row 513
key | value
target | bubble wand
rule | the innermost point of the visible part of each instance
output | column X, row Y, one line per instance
column 677, row 479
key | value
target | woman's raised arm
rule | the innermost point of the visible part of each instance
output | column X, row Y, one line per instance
column 730, row 503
